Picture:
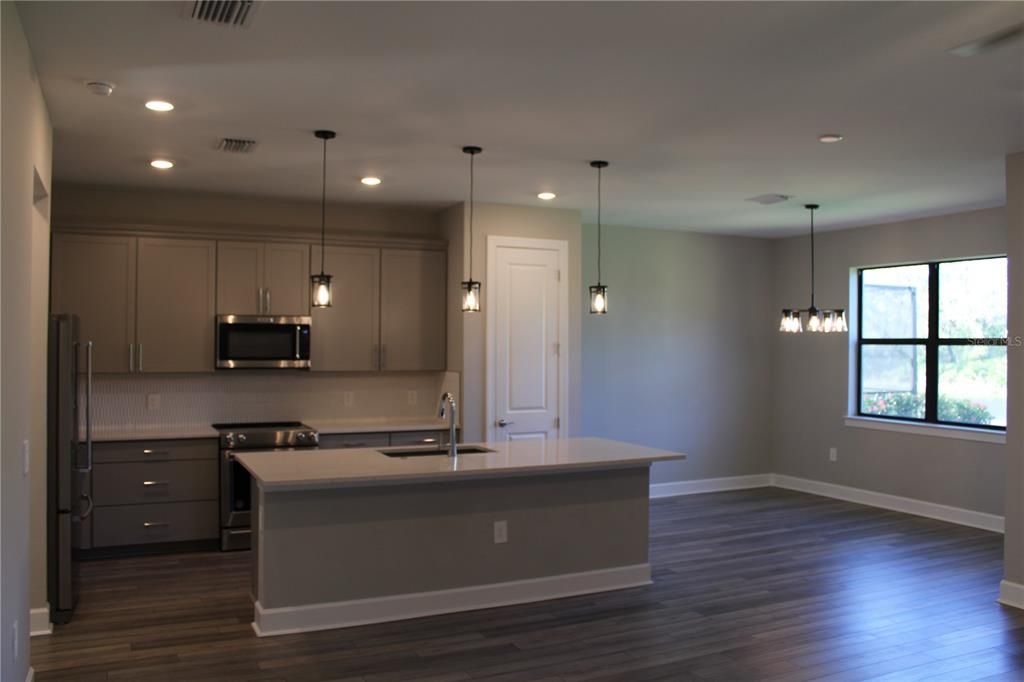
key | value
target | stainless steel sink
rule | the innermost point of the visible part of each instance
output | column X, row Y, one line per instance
column 426, row 452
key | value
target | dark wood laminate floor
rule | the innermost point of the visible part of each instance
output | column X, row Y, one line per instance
column 762, row 584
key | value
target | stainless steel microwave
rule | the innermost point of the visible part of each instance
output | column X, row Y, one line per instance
column 263, row 341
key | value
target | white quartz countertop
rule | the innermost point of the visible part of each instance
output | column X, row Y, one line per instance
column 324, row 427
column 341, row 468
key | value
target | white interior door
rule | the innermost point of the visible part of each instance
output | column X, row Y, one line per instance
column 527, row 338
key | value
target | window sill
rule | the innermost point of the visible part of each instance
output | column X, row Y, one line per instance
column 934, row 430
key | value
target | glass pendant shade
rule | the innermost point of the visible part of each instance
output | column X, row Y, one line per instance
column 791, row 322
column 470, row 296
column 815, row 320
column 599, row 300
column 321, row 293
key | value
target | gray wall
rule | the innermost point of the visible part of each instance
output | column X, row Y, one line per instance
column 24, row 225
column 811, row 371
column 1014, row 568
column 682, row 360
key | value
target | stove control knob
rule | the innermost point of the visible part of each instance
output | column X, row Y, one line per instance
column 301, row 436
column 229, row 439
column 241, row 438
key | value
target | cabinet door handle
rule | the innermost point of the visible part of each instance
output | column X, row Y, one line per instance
column 150, row 484
column 131, row 358
column 154, row 524
column 139, row 358
column 260, row 304
column 147, row 451
column 268, row 301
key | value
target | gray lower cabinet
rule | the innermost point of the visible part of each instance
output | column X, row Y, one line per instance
column 155, row 491
column 139, row 524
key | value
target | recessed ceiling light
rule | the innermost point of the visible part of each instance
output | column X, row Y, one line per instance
column 371, row 181
column 162, row 164
column 546, row 196
column 829, row 138
column 159, row 105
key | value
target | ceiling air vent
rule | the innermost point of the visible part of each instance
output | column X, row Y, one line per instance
column 235, row 13
column 769, row 199
column 236, row 145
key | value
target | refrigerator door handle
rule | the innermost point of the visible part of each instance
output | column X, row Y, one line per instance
column 88, row 507
column 88, row 411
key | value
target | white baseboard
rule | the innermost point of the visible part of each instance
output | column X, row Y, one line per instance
column 908, row 505
column 287, row 620
column 39, row 622
column 710, row 485
column 1011, row 594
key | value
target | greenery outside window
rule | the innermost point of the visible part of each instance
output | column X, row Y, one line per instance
column 932, row 343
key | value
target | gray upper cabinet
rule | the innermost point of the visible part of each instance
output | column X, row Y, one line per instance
column 346, row 336
column 94, row 277
column 176, row 305
column 262, row 278
column 413, row 310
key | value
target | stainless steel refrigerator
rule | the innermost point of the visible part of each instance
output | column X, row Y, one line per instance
column 69, row 460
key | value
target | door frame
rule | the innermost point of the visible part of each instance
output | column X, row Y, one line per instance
column 561, row 247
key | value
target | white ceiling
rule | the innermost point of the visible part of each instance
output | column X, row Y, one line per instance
column 696, row 105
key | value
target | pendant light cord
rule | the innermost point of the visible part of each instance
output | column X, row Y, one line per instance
column 471, row 159
column 812, row 257
column 323, row 209
column 598, row 226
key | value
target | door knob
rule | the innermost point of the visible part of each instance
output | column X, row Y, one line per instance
column 504, row 422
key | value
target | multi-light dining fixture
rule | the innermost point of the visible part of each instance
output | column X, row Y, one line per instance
column 470, row 287
column 599, row 292
column 321, row 283
column 824, row 321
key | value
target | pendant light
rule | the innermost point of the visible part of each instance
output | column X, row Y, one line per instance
column 321, row 284
column 471, row 288
column 823, row 321
column 599, row 292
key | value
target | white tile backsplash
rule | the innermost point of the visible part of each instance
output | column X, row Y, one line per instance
column 183, row 400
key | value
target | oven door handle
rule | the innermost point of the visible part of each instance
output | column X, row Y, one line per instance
column 298, row 342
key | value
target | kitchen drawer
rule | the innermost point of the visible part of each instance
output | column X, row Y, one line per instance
column 419, row 438
column 154, row 450
column 354, row 440
column 166, row 481
column 140, row 524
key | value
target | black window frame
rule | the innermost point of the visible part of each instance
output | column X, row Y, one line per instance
column 932, row 343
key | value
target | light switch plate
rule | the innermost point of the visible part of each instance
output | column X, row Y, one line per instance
column 411, row 396
column 153, row 402
column 833, row 454
column 349, row 398
column 26, row 453
column 500, row 532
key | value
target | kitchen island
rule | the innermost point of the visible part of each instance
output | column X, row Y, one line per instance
column 354, row 536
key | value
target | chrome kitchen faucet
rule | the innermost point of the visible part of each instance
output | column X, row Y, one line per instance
column 448, row 407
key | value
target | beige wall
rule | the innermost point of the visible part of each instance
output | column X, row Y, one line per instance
column 512, row 221
column 680, row 362
column 27, row 138
column 1014, row 566
column 132, row 207
column 811, row 379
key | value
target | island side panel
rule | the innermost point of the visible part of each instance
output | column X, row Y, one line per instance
column 349, row 544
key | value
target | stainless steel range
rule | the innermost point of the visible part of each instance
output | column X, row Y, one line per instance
column 235, row 481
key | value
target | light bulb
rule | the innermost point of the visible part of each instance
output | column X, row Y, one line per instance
column 471, row 300
column 323, row 295
column 599, row 303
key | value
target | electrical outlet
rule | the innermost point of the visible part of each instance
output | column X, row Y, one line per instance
column 153, row 402
column 349, row 398
column 14, row 639
column 500, row 532
column 833, row 454
column 26, row 454
column 411, row 397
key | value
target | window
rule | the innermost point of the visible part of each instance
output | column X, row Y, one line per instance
column 931, row 343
